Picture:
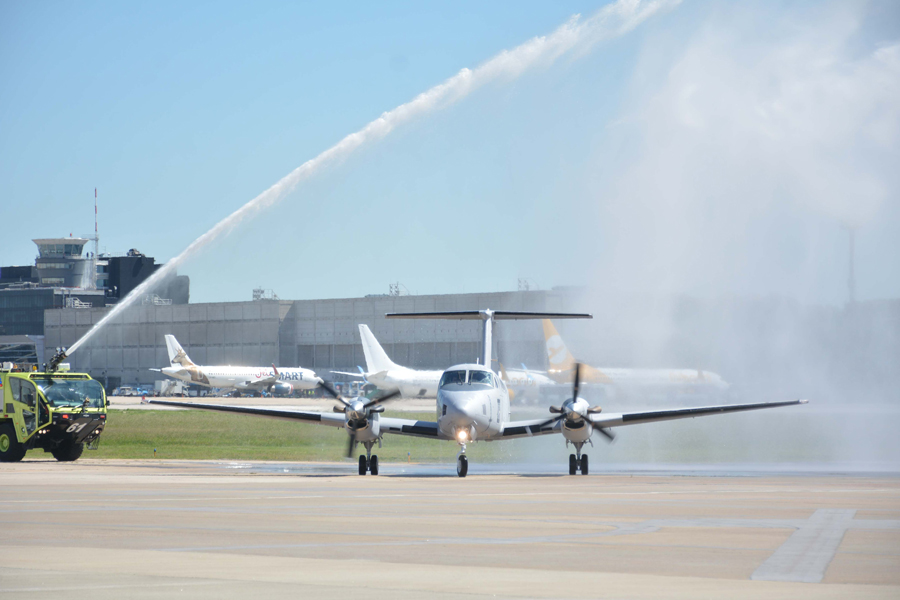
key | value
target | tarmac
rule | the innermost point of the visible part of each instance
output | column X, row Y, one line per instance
column 219, row 529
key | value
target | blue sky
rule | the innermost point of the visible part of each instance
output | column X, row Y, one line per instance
column 180, row 113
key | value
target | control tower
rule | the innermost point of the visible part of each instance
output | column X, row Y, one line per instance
column 60, row 263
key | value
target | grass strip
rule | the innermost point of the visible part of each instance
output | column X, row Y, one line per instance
column 204, row 435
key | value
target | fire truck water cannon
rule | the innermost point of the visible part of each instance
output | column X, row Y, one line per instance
column 60, row 356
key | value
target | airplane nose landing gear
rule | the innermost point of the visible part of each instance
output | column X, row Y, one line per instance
column 462, row 463
column 578, row 461
column 369, row 462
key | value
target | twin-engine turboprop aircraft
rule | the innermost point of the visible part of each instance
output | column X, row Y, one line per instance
column 240, row 379
column 473, row 405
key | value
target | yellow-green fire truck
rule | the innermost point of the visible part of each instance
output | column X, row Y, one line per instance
column 57, row 411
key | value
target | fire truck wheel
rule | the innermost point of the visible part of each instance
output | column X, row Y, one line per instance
column 68, row 452
column 10, row 448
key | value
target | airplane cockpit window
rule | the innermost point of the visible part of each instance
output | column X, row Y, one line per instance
column 481, row 378
column 453, row 378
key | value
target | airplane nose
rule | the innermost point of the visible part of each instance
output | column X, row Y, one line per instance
column 463, row 411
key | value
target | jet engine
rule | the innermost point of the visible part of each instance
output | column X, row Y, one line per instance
column 282, row 389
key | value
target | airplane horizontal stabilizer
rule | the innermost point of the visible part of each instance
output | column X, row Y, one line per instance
column 478, row 315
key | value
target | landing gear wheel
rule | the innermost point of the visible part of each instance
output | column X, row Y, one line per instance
column 573, row 464
column 462, row 465
column 363, row 467
column 373, row 465
column 584, row 464
column 68, row 451
column 10, row 448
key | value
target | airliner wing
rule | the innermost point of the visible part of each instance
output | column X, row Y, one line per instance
column 258, row 384
column 425, row 429
column 636, row 418
column 362, row 375
column 323, row 418
column 530, row 428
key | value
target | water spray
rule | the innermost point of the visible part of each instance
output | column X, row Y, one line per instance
column 611, row 21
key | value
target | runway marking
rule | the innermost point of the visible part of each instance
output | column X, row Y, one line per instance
column 808, row 552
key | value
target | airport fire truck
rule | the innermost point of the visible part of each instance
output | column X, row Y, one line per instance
column 55, row 410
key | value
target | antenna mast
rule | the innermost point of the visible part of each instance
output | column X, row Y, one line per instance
column 96, row 235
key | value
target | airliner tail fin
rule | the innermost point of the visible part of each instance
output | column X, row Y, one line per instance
column 177, row 355
column 376, row 358
column 558, row 356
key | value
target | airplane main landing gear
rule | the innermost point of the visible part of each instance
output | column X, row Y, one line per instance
column 573, row 464
column 369, row 462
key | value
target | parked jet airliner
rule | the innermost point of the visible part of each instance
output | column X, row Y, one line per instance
column 388, row 376
column 562, row 367
column 473, row 405
column 240, row 379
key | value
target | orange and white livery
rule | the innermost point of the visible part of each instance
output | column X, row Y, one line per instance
column 561, row 368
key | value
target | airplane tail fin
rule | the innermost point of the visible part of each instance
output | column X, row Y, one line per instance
column 177, row 355
column 558, row 355
column 376, row 358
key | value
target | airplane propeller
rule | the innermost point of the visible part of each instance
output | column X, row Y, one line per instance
column 357, row 410
column 568, row 412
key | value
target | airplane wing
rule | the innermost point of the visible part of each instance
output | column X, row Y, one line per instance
column 649, row 416
column 324, row 418
column 425, row 429
column 260, row 384
column 410, row 427
column 362, row 375
column 530, row 428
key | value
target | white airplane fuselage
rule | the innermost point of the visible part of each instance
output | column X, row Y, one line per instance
column 684, row 380
column 242, row 378
column 410, row 382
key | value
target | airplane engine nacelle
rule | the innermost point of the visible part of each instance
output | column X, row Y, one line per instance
column 576, row 431
column 282, row 389
column 369, row 431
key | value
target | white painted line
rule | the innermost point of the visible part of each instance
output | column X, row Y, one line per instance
column 806, row 554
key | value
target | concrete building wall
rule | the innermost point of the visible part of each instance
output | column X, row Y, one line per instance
column 324, row 334
column 239, row 333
